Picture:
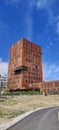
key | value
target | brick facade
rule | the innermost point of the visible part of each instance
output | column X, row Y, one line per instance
column 25, row 68
column 25, row 65
column 46, row 86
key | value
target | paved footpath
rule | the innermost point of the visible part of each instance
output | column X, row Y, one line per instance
column 44, row 119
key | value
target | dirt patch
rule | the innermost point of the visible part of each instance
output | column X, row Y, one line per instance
column 17, row 105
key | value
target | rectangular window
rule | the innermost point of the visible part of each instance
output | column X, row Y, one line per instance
column 56, row 84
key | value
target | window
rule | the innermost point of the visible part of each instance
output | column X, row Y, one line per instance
column 26, row 81
column 17, row 72
column 56, row 84
column 36, row 66
column 28, row 60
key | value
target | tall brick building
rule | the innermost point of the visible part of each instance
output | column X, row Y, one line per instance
column 25, row 64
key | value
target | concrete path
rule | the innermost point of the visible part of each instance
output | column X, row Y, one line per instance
column 44, row 119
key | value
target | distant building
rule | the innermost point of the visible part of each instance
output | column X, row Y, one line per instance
column 25, row 68
column 49, row 87
column 25, row 64
column 3, row 81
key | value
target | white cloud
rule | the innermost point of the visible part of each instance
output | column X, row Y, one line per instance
column 3, row 67
column 50, row 44
column 48, row 6
column 45, row 4
column 42, row 4
column 28, row 25
column 3, row 27
column 53, row 20
column 50, row 71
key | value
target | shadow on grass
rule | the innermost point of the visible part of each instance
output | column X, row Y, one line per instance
column 3, row 98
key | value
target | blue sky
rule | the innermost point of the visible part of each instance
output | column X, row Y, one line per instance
column 37, row 21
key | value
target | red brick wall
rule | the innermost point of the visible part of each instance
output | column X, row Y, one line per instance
column 46, row 86
column 24, row 53
column 15, row 60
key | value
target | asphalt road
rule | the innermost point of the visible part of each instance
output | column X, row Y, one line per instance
column 45, row 119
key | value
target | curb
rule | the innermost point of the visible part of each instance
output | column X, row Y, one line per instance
column 19, row 118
